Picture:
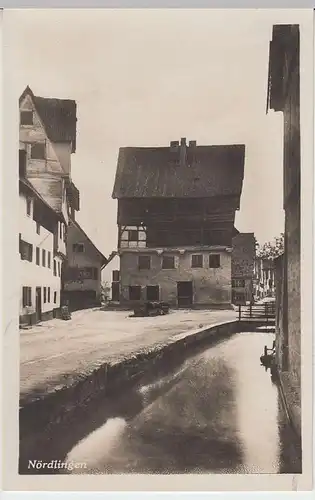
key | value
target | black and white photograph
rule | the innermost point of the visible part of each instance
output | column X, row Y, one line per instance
column 159, row 158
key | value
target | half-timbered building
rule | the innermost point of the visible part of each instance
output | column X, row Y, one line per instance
column 176, row 212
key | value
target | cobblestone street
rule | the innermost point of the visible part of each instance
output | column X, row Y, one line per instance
column 55, row 352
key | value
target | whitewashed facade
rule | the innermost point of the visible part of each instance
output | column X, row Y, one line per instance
column 40, row 264
column 48, row 197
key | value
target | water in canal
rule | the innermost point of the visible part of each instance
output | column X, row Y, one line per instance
column 218, row 412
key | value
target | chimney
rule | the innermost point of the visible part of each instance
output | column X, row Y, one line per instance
column 174, row 146
column 183, row 152
column 191, row 152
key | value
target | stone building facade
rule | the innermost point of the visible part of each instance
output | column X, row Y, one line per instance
column 176, row 213
column 243, row 263
column 178, row 276
column 284, row 96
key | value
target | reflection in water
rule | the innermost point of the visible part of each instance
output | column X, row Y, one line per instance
column 89, row 450
column 218, row 413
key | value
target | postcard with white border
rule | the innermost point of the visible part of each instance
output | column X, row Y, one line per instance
column 157, row 249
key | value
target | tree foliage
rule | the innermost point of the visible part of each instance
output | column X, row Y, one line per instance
column 105, row 291
column 271, row 249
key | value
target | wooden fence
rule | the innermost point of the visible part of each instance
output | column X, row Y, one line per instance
column 264, row 313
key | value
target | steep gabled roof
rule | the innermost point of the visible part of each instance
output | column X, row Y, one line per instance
column 77, row 225
column 59, row 117
column 25, row 186
column 155, row 172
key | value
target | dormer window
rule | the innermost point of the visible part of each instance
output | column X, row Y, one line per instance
column 26, row 117
column 38, row 151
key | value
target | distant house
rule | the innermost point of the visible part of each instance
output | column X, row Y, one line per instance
column 47, row 138
column 264, row 278
column 243, row 263
column 82, row 274
column 284, row 96
column 176, row 212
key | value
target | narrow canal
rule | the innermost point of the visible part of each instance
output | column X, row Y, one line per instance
column 219, row 412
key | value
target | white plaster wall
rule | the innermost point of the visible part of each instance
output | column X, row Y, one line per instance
column 31, row 274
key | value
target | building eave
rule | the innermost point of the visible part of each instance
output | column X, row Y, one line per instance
column 77, row 225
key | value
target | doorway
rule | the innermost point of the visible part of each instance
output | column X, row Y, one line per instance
column 153, row 293
column 38, row 303
column 184, row 293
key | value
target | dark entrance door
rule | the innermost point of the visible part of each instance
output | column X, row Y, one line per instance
column 38, row 303
column 115, row 291
column 153, row 293
column 184, row 293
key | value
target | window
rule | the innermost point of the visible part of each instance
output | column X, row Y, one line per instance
column 26, row 117
column 28, row 206
column 48, row 299
column 168, row 262
column 134, row 292
column 60, row 230
column 38, row 151
column 37, row 227
column 37, row 257
column 144, row 262
column 27, row 296
column 26, row 250
column 94, row 273
column 64, row 233
column 214, row 260
column 49, row 259
column 133, row 235
column 55, row 297
column 238, row 298
column 238, row 283
column 55, row 268
column 197, row 260
column 78, row 247
column 59, row 268
column 45, row 295
column 44, row 258
column 153, row 292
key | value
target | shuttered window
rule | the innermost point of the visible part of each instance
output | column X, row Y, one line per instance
column 44, row 257
column 26, row 250
column 37, row 256
column 144, row 262
column 197, row 260
column 168, row 262
column 214, row 260
column 38, row 151
column 26, row 296
column 134, row 292
column 26, row 117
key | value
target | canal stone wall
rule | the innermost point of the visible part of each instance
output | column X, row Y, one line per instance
column 111, row 386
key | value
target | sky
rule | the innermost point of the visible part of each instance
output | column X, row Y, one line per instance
column 146, row 77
